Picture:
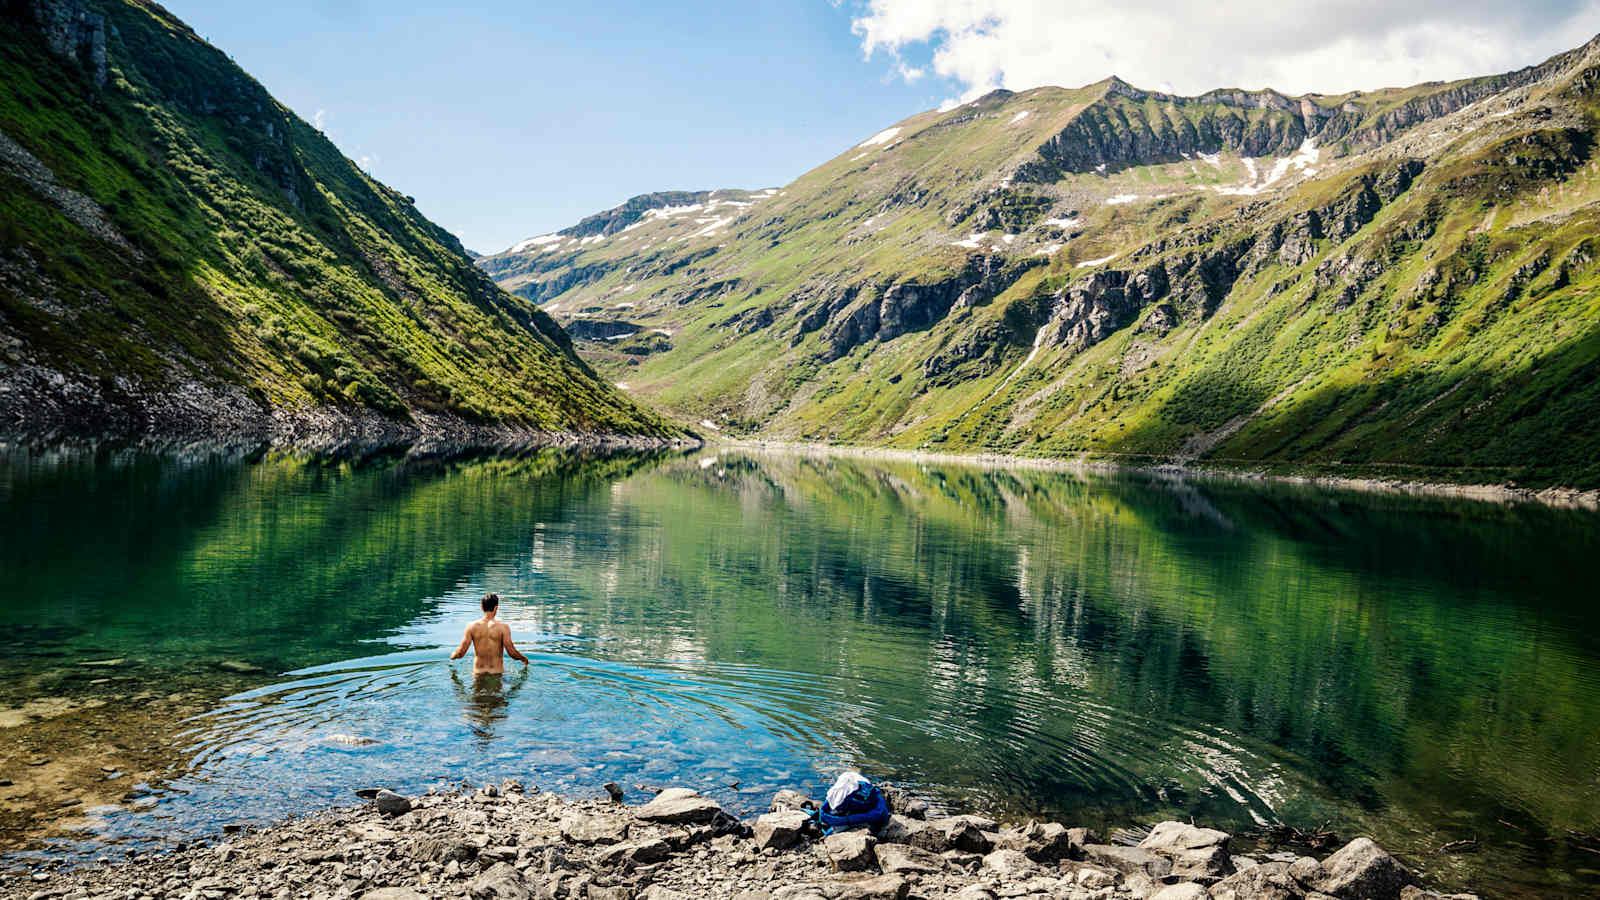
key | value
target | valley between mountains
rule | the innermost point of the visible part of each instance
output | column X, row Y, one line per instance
column 1395, row 282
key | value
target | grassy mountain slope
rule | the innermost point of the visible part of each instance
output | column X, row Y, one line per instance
column 178, row 252
column 1388, row 281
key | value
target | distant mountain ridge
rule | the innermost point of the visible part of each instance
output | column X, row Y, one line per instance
column 1401, row 280
column 180, row 255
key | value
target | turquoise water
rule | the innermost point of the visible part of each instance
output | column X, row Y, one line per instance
column 1099, row 649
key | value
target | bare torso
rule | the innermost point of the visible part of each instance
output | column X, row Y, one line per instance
column 488, row 647
column 491, row 643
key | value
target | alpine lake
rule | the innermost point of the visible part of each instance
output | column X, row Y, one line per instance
column 196, row 640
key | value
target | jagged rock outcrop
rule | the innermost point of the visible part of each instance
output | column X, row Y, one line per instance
column 73, row 30
column 862, row 313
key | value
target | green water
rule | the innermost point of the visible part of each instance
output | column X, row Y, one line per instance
column 1099, row 649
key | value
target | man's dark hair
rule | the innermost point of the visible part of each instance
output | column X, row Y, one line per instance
column 490, row 601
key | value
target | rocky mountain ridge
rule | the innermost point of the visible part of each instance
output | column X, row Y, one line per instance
column 1113, row 272
column 182, row 257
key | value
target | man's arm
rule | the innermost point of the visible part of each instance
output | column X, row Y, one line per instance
column 466, row 642
column 511, row 649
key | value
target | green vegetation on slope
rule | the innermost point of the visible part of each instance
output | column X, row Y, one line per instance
column 167, row 230
column 1401, row 282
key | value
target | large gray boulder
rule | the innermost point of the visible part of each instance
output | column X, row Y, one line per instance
column 679, row 806
column 1195, row 852
column 955, row 833
column 903, row 858
column 1045, row 842
column 1010, row 865
column 850, row 851
column 592, row 829
column 901, row 830
column 640, row 852
column 1361, row 870
column 779, row 830
column 1268, row 881
column 1128, row 860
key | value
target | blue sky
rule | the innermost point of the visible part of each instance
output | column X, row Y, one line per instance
column 510, row 119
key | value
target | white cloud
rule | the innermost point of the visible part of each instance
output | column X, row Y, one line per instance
column 1296, row 46
column 319, row 118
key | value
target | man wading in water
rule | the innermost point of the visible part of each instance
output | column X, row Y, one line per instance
column 488, row 639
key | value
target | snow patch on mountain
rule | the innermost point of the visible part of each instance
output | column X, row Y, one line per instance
column 882, row 137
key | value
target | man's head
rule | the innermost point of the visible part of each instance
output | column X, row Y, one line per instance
column 491, row 602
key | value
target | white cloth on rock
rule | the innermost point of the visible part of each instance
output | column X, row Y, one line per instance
column 843, row 787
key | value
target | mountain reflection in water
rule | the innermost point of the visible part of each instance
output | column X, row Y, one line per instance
column 1095, row 648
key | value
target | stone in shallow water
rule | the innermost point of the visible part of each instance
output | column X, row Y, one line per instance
column 1361, row 870
column 1042, row 843
column 787, row 799
column 1410, row 892
column 1195, row 852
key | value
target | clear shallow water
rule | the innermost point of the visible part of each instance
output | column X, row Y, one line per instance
column 1098, row 649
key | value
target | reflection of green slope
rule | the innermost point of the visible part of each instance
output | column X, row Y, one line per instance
column 287, row 562
column 1420, row 658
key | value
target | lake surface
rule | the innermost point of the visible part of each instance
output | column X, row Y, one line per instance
column 1101, row 649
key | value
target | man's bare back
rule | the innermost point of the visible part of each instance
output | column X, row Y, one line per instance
column 489, row 640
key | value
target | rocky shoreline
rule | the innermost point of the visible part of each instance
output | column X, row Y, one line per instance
column 42, row 407
column 504, row 842
column 1565, row 497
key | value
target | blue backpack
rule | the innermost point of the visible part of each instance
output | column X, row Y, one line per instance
column 864, row 806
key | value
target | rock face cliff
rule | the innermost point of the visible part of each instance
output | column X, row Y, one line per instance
column 1384, row 280
column 180, row 256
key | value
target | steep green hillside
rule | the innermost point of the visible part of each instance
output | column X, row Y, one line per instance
column 1399, row 282
column 181, row 254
